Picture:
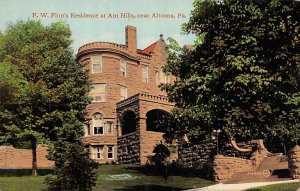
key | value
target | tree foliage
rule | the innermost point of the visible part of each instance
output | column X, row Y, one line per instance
column 13, row 88
column 241, row 76
column 53, row 109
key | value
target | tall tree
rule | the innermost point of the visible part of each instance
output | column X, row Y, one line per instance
column 242, row 75
column 13, row 89
column 54, row 106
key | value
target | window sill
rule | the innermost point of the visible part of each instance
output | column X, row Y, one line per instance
column 109, row 135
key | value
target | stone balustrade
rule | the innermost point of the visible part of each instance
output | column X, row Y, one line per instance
column 144, row 97
column 113, row 47
column 149, row 97
column 102, row 45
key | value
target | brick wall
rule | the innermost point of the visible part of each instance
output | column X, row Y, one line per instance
column 22, row 158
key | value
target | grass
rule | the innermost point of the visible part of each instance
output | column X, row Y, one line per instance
column 115, row 178
column 23, row 183
column 278, row 187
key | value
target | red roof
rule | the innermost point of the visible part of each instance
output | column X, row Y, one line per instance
column 149, row 49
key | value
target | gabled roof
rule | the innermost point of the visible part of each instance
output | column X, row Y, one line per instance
column 149, row 49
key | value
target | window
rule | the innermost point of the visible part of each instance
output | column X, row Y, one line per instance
column 163, row 77
column 145, row 73
column 123, row 69
column 98, row 152
column 110, row 127
column 157, row 77
column 86, row 129
column 98, row 93
column 98, row 124
column 123, row 90
column 98, row 131
column 96, row 64
column 110, row 152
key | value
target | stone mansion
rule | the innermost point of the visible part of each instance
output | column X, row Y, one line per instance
column 126, row 99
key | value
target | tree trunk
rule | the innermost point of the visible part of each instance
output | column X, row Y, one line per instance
column 34, row 159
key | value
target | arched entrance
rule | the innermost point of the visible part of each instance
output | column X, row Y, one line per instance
column 128, row 122
column 153, row 118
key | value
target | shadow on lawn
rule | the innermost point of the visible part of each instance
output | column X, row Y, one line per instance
column 150, row 188
column 173, row 171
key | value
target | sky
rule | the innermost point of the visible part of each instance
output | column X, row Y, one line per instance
column 111, row 18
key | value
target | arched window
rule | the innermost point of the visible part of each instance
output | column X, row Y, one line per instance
column 98, row 124
column 128, row 123
column 153, row 118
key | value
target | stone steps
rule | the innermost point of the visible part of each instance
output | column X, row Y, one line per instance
column 273, row 168
column 273, row 162
column 259, row 176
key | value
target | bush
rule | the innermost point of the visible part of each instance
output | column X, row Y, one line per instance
column 25, row 172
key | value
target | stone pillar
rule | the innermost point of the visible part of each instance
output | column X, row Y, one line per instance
column 294, row 162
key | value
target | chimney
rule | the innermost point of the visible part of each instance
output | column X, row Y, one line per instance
column 130, row 32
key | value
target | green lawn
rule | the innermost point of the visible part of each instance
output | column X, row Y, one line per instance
column 117, row 178
column 24, row 183
column 278, row 187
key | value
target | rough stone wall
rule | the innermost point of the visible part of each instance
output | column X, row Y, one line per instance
column 197, row 156
column 225, row 167
column 228, row 150
column 129, row 149
column 128, row 144
column 22, row 158
column 294, row 162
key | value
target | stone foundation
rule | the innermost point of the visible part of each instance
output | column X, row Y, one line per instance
column 22, row 158
column 129, row 149
column 294, row 162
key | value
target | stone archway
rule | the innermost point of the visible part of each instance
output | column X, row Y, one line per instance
column 128, row 122
column 153, row 118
